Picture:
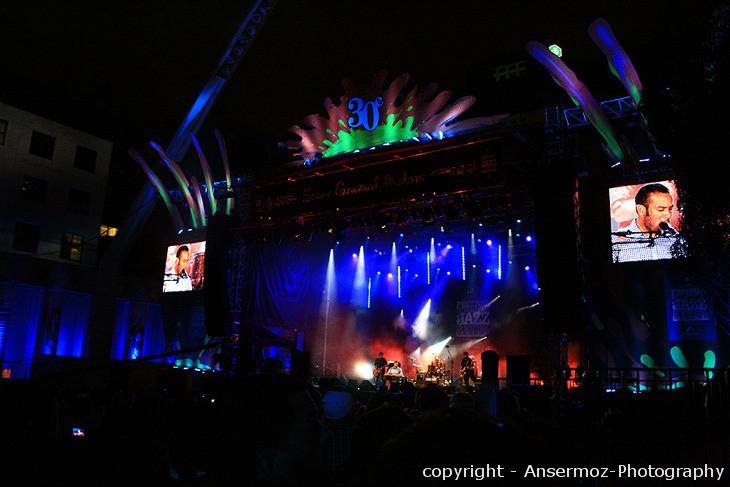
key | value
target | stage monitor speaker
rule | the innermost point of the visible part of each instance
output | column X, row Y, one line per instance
column 215, row 288
column 366, row 386
column 559, row 275
column 300, row 364
column 490, row 367
column 518, row 369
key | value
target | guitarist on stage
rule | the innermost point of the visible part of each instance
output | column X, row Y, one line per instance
column 379, row 367
column 468, row 377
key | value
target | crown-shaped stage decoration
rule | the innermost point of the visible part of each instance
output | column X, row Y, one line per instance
column 369, row 116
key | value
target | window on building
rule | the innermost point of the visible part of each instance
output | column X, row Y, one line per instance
column 42, row 145
column 26, row 237
column 3, row 131
column 85, row 159
column 71, row 246
column 79, row 201
column 34, row 190
column 107, row 231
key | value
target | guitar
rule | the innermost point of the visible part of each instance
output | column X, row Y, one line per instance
column 466, row 370
column 377, row 371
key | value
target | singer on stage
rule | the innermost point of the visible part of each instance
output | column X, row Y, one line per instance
column 649, row 236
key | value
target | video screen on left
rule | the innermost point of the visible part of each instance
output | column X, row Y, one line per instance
column 184, row 267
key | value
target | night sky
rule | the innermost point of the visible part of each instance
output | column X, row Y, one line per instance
column 129, row 71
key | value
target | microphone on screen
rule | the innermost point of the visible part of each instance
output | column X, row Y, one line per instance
column 667, row 231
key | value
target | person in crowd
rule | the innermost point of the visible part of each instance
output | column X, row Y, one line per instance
column 463, row 400
column 338, row 417
column 267, row 430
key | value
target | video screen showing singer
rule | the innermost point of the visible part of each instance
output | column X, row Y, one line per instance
column 184, row 267
column 651, row 234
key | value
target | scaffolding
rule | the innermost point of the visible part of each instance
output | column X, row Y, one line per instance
column 236, row 293
column 554, row 139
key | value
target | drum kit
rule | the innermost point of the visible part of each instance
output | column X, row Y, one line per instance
column 434, row 373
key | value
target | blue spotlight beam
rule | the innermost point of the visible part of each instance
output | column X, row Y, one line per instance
column 358, row 285
column 330, row 284
column 420, row 326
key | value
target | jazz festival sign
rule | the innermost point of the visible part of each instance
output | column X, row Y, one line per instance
column 472, row 319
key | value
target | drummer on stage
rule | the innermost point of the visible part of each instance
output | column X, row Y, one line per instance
column 436, row 369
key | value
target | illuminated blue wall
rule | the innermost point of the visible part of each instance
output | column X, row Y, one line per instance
column 32, row 330
column 138, row 330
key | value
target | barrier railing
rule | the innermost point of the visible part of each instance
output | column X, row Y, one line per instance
column 641, row 380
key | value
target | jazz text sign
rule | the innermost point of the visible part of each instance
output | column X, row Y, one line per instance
column 472, row 319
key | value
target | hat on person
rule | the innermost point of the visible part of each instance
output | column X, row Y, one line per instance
column 336, row 404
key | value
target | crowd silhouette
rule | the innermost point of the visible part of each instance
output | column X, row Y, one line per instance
column 275, row 429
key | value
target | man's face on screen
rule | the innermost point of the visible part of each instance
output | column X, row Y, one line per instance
column 658, row 209
column 182, row 262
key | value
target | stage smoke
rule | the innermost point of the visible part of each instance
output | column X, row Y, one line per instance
column 436, row 349
column 420, row 326
column 359, row 286
column 330, row 296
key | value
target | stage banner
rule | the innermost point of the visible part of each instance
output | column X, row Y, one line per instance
column 472, row 319
column 690, row 314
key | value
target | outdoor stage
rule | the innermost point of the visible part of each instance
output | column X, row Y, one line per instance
column 411, row 291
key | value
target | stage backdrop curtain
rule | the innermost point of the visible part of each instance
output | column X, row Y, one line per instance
column 283, row 282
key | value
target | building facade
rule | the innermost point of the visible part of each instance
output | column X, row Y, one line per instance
column 53, row 180
column 52, row 185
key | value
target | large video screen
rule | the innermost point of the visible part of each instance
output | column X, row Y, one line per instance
column 645, row 223
column 184, row 267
